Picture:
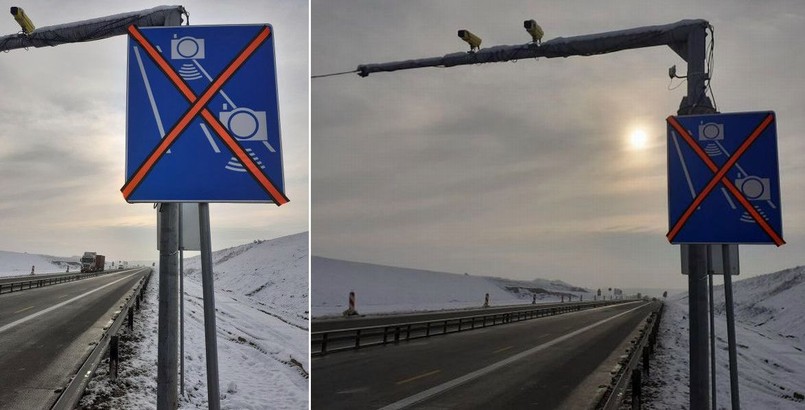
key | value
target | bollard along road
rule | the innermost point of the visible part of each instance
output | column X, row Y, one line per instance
column 47, row 333
column 546, row 363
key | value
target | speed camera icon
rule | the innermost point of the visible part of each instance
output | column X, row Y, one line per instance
column 711, row 131
column 245, row 124
column 754, row 188
column 187, row 48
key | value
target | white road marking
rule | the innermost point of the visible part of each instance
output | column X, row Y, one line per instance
column 410, row 379
column 353, row 391
column 54, row 307
column 503, row 349
column 426, row 394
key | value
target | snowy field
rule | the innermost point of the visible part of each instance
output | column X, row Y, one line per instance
column 385, row 289
column 19, row 264
column 262, row 301
column 770, row 334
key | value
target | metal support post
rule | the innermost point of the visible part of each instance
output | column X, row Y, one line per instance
column 697, row 321
column 696, row 102
column 646, row 359
column 167, row 349
column 734, row 394
column 167, row 397
column 114, row 356
column 637, row 393
column 712, row 335
column 181, row 303
column 214, row 402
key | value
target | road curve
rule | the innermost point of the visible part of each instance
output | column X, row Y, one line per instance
column 547, row 363
column 46, row 333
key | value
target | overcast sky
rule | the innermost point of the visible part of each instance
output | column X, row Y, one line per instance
column 62, row 138
column 526, row 169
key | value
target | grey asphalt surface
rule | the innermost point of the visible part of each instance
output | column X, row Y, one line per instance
column 319, row 325
column 563, row 375
column 38, row 357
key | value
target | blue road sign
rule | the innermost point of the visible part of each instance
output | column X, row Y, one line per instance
column 203, row 115
column 723, row 179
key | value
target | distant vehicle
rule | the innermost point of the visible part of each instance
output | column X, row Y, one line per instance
column 120, row 267
column 92, row 262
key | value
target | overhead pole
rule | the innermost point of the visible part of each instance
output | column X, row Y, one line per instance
column 687, row 39
column 168, row 336
column 696, row 102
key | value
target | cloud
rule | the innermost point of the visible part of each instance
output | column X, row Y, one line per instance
column 62, row 143
column 522, row 169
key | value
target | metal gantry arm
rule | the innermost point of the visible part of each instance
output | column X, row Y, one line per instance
column 674, row 35
column 94, row 29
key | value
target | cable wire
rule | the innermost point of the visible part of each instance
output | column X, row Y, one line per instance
column 711, row 65
column 333, row 74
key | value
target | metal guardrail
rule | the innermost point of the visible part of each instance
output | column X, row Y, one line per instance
column 640, row 352
column 40, row 282
column 324, row 342
column 75, row 389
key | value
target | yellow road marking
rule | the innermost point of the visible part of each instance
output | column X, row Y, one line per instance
column 419, row 377
column 24, row 309
column 503, row 349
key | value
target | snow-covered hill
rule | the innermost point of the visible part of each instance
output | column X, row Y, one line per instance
column 18, row 264
column 271, row 273
column 770, row 335
column 773, row 303
column 386, row 289
column 261, row 291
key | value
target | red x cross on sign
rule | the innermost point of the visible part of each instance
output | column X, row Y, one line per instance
column 198, row 107
column 720, row 176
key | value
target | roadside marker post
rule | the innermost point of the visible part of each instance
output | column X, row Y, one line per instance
column 351, row 307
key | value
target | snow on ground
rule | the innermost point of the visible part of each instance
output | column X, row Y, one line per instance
column 769, row 335
column 386, row 289
column 262, row 336
column 272, row 274
column 19, row 264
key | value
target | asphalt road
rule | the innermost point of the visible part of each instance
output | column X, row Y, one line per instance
column 319, row 325
column 547, row 363
column 46, row 334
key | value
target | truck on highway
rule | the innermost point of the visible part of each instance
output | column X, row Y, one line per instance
column 92, row 262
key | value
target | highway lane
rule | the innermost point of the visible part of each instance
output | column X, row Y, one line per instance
column 46, row 334
column 552, row 362
column 319, row 325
